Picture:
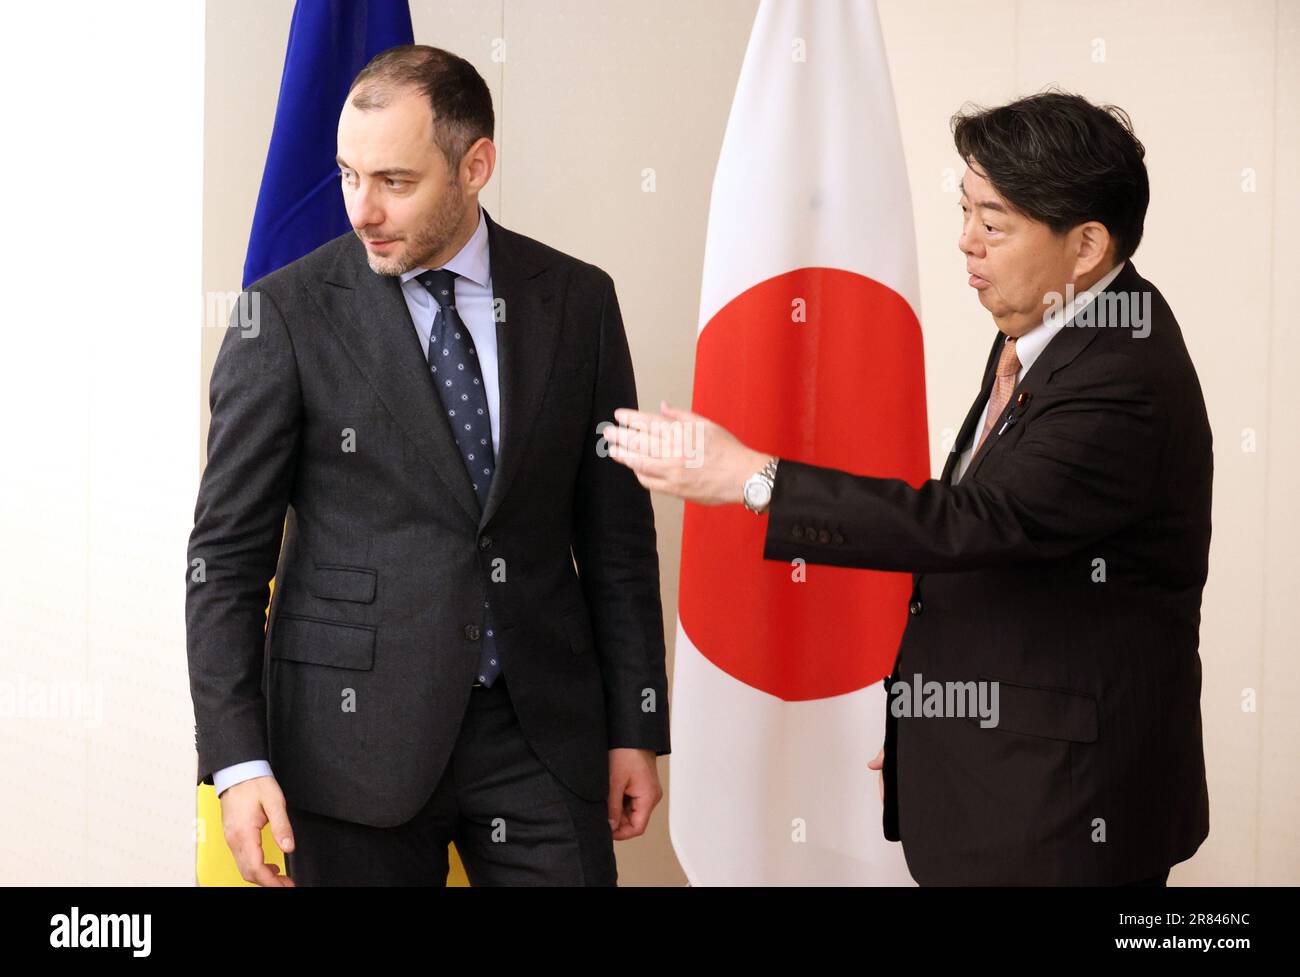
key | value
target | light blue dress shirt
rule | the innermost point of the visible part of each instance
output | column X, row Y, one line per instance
column 475, row 305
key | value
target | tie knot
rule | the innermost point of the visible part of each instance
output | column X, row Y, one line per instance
column 441, row 283
column 1008, row 362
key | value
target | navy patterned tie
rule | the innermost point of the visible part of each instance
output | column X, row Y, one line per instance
column 459, row 379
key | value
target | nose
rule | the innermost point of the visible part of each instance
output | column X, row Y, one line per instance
column 968, row 242
column 364, row 211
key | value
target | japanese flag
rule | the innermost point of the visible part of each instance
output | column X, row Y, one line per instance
column 809, row 347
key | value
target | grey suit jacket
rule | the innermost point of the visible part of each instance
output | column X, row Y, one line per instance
column 331, row 467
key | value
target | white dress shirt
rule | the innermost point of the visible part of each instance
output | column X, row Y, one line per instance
column 474, row 303
column 1028, row 348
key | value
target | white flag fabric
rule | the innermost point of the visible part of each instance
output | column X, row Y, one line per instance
column 809, row 347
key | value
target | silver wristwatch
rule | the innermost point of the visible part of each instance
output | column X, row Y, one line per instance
column 758, row 487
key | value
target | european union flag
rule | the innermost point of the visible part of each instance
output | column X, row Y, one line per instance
column 300, row 205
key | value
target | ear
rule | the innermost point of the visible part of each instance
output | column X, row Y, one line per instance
column 477, row 164
column 1092, row 248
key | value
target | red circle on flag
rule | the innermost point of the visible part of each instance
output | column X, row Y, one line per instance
column 827, row 367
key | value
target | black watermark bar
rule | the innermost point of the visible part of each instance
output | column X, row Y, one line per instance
column 159, row 925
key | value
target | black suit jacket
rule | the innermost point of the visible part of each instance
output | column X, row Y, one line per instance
column 1095, row 773
column 355, row 685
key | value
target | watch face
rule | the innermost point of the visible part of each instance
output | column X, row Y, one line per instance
column 758, row 493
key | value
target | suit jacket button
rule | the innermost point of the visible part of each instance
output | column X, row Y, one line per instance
column 914, row 608
column 485, row 543
column 823, row 537
column 797, row 532
column 471, row 632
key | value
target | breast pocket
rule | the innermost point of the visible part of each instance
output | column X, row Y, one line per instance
column 335, row 582
column 568, row 380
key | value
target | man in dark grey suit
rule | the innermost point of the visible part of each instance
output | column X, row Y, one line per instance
column 466, row 637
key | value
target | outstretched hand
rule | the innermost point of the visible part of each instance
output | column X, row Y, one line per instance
column 682, row 454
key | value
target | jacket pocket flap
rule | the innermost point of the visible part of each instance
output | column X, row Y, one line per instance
column 1056, row 714
column 343, row 583
column 306, row 639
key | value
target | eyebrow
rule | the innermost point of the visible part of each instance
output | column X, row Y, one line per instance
column 391, row 171
column 987, row 204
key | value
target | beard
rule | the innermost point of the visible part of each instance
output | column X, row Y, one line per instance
column 428, row 240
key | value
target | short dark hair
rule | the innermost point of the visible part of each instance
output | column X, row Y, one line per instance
column 1061, row 160
column 459, row 99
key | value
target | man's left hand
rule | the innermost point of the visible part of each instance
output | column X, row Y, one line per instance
column 633, row 791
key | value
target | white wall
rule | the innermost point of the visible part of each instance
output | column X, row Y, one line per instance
column 106, row 424
column 100, row 361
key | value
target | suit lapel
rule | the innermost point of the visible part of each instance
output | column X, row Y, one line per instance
column 968, row 425
column 972, row 415
column 369, row 315
column 1064, row 347
column 527, row 333
column 1068, row 343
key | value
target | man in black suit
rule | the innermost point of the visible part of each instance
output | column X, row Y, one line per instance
column 1058, row 561
column 466, row 637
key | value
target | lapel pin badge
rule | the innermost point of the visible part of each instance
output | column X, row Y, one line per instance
column 1022, row 398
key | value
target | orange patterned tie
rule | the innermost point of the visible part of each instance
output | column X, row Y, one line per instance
column 1003, row 384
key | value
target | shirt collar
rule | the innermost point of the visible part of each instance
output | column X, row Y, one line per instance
column 1035, row 341
column 470, row 262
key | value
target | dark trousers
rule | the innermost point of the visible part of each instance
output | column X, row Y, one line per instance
column 512, row 821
